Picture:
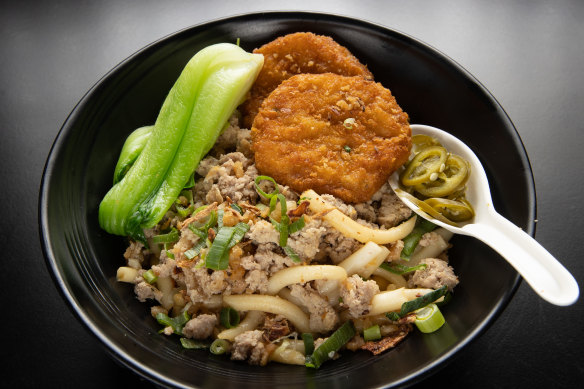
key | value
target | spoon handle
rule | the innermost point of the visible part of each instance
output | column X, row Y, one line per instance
column 548, row 277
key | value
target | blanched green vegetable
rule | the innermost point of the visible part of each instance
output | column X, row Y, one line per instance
column 132, row 148
column 193, row 115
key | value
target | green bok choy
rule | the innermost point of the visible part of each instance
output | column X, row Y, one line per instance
column 213, row 83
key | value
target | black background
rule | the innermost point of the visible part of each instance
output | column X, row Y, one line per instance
column 529, row 54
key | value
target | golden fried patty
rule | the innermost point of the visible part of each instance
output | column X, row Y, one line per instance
column 339, row 135
column 292, row 54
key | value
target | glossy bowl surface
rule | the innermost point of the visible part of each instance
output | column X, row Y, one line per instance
column 432, row 88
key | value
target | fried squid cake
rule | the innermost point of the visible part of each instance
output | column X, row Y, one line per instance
column 292, row 54
column 339, row 135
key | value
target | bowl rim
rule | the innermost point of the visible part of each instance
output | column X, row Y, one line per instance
column 126, row 359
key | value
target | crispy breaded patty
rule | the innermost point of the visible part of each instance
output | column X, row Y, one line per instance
column 292, row 54
column 339, row 135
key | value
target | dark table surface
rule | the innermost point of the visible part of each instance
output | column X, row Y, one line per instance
column 529, row 54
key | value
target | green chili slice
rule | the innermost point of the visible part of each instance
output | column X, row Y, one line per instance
column 432, row 213
column 425, row 163
column 457, row 211
column 329, row 347
column 454, row 175
column 420, row 142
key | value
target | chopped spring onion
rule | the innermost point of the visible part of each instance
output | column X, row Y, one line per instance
column 219, row 346
column 372, row 333
column 400, row 269
column 184, row 211
column 297, row 225
column 177, row 323
column 199, row 209
column 172, row 236
column 239, row 232
column 284, row 227
column 220, row 214
column 302, row 199
column 205, row 224
column 237, row 208
column 347, row 149
column 218, row 256
column 229, row 317
column 193, row 344
column 308, row 343
column 226, row 238
column 348, row 123
column 273, row 203
column 420, row 302
column 169, row 254
column 289, row 252
column 329, row 347
column 429, row 318
column 261, row 192
column 150, row 277
column 191, row 253
column 203, row 235
column 411, row 241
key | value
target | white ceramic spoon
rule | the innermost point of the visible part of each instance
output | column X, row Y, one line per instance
column 536, row 265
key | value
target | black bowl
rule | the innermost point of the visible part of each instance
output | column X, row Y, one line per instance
column 432, row 88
